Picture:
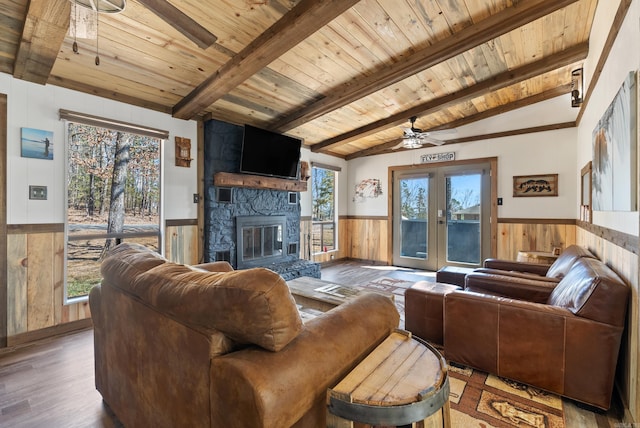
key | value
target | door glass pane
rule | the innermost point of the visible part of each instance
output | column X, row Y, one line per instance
column 413, row 224
column 463, row 218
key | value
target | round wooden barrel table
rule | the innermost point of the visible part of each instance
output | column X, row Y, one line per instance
column 401, row 382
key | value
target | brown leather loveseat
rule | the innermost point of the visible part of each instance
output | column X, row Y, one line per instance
column 563, row 338
column 179, row 346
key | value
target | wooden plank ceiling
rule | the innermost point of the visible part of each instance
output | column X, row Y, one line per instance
column 344, row 75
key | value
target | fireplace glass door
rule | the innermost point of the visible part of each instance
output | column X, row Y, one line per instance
column 261, row 240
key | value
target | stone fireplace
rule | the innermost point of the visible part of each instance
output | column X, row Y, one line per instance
column 245, row 226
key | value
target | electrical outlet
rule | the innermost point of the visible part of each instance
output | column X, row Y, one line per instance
column 499, row 201
column 38, row 193
column 196, row 198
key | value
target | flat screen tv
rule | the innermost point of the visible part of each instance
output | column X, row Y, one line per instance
column 269, row 153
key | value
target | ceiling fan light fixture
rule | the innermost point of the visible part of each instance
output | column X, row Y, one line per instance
column 411, row 143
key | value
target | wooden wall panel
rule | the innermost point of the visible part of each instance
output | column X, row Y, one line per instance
column 625, row 263
column 16, row 284
column 533, row 236
column 35, row 279
column 40, row 251
column 368, row 239
column 181, row 244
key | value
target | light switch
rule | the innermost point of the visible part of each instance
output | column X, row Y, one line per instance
column 38, row 192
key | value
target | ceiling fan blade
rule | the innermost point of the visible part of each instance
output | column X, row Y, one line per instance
column 433, row 141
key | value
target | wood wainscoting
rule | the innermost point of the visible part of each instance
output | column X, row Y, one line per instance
column 366, row 237
column 534, row 234
column 363, row 238
column 35, row 283
column 181, row 243
column 620, row 252
column 35, row 278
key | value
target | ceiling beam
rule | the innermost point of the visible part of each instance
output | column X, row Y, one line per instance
column 552, row 62
column 520, row 14
column 307, row 17
column 45, row 27
column 181, row 22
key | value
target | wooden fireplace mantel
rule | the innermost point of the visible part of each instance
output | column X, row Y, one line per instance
column 228, row 179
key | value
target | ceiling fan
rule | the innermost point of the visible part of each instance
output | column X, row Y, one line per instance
column 414, row 138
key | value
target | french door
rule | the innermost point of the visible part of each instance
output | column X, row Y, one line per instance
column 441, row 216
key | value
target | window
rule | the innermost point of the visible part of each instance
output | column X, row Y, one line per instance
column 113, row 195
column 323, row 188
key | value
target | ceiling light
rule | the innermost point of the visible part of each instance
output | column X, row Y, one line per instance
column 411, row 143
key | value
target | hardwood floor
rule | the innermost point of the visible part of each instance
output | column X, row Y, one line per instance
column 50, row 383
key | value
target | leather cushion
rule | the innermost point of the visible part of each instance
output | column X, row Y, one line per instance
column 592, row 290
column 563, row 263
column 252, row 306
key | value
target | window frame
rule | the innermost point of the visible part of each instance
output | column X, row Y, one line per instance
column 323, row 223
column 118, row 126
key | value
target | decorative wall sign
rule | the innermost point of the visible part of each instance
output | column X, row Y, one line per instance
column 368, row 188
column 183, row 152
column 438, row 157
column 615, row 145
column 535, row 185
column 36, row 143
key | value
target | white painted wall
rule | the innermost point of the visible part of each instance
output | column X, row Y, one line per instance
column 548, row 152
column 624, row 57
column 37, row 106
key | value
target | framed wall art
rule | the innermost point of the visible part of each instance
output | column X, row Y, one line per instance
column 36, row 143
column 615, row 137
column 535, row 185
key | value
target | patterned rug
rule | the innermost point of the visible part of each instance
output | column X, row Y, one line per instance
column 485, row 401
column 393, row 286
column 479, row 400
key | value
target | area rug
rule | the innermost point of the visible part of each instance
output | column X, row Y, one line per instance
column 396, row 287
column 485, row 401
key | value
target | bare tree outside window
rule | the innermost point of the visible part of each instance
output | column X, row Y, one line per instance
column 113, row 194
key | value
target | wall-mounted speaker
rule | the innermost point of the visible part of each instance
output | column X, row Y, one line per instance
column 293, row 198
column 224, row 195
column 293, row 248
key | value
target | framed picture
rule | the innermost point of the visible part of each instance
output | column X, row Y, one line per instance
column 535, row 185
column 36, row 143
column 615, row 172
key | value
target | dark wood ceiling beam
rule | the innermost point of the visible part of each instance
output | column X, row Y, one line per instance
column 488, row 29
column 561, row 59
column 181, row 22
column 307, row 17
column 533, row 99
column 45, row 27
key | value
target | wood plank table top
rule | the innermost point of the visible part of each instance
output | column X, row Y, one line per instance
column 319, row 294
column 402, row 381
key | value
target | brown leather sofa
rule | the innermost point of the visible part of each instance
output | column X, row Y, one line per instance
column 206, row 346
column 562, row 337
column 553, row 272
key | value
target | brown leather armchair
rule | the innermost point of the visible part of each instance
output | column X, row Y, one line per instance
column 562, row 337
column 177, row 346
column 535, row 271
